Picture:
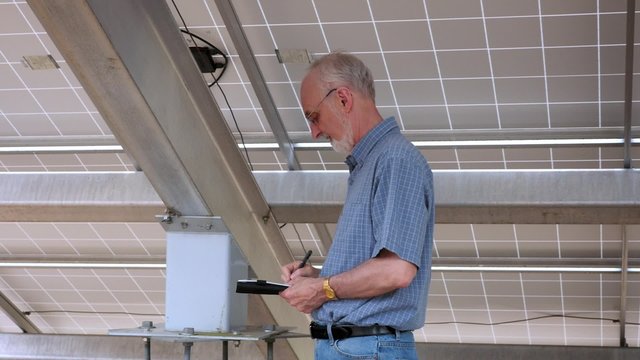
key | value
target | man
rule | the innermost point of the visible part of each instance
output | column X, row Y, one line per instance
column 372, row 290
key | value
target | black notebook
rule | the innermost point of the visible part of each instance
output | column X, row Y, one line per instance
column 263, row 287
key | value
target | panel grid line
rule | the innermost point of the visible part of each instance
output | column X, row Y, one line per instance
column 62, row 275
column 453, row 313
column 486, row 302
column 525, row 308
column 386, row 68
column 493, row 79
column 503, row 17
column 562, row 300
column 437, row 63
column 544, row 65
column 54, row 302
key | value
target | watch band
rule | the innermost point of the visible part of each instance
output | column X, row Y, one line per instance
column 328, row 290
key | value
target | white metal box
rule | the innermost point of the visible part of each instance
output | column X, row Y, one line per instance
column 202, row 270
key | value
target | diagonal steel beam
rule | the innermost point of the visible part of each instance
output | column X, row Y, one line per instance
column 17, row 316
column 135, row 66
column 258, row 83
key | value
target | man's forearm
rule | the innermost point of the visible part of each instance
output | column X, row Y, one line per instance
column 375, row 277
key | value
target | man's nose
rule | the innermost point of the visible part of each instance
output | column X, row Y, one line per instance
column 315, row 131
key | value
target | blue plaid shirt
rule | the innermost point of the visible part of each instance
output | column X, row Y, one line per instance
column 389, row 205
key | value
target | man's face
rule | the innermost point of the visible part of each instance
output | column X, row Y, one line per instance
column 324, row 116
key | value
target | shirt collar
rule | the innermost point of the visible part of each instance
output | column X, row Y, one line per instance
column 364, row 146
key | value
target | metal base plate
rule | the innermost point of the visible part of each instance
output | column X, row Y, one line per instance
column 158, row 332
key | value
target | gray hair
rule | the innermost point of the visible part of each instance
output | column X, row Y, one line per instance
column 341, row 69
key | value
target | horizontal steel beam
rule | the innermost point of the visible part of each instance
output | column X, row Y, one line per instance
column 84, row 197
column 463, row 197
column 23, row 346
column 68, row 347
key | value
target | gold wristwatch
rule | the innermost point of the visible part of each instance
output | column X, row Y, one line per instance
column 328, row 290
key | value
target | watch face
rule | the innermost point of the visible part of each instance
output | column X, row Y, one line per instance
column 328, row 291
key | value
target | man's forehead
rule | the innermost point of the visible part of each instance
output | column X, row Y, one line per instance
column 308, row 87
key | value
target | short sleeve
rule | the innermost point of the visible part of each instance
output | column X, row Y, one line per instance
column 399, row 207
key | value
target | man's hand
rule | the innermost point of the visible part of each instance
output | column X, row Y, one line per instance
column 292, row 271
column 305, row 293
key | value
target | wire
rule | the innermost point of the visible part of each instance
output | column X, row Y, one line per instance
column 528, row 319
column 246, row 152
column 87, row 312
column 215, row 79
column 299, row 238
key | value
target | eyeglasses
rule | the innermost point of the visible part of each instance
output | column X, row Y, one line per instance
column 311, row 116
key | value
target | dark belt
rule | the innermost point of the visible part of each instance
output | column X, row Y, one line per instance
column 319, row 331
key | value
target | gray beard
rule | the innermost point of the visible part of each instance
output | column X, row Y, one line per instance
column 344, row 145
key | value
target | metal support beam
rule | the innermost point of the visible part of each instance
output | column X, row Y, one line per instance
column 462, row 197
column 17, row 316
column 623, row 286
column 33, row 347
column 67, row 347
column 135, row 65
column 628, row 80
column 89, row 197
column 241, row 43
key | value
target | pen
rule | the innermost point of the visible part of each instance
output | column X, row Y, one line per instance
column 306, row 258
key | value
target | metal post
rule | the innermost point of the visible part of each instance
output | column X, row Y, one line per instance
column 147, row 348
column 623, row 287
column 270, row 342
column 187, row 350
column 225, row 350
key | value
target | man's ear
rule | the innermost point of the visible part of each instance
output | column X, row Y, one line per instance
column 346, row 99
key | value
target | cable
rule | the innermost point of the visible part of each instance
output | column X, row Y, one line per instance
column 528, row 319
column 304, row 249
column 87, row 312
column 215, row 79
column 246, row 152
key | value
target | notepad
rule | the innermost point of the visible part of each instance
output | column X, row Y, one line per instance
column 255, row 286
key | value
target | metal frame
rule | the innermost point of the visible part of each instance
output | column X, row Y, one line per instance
column 628, row 81
column 134, row 64
column 499, row 197
column 241, row 43
column 17, row 316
